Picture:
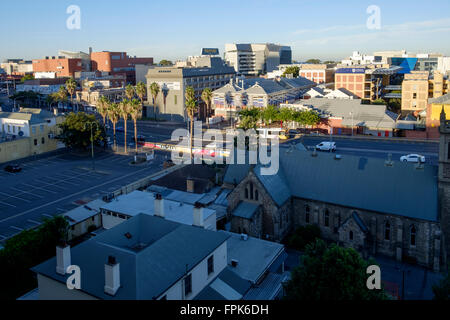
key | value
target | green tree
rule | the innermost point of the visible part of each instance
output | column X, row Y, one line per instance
column 249, row 118
column 313, row 61
column 294, row 70
column 285, row 115
column 71, row 86
column 135, row 109
column 102, row 107
column 191, row 108
column 75, row 133
column 114, row 117
column 124, row 107
column 166, row 63
column 129, row 92
column 379, row 102
column 441, row 291
column 61, row 95
column 206, row 97
column 26, row 77
column 154, row 91
column 303, row 236
column 330, row 274
column 270, row 113
column 26, row 250
column 141, row 92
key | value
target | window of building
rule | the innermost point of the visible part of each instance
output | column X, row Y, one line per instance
column 43, row 140
column 188, row 285
column 35, row 142
column 256, row 195
column 210, row 265
column 33, row 130
column 387, row 231
column 307, row 213
column 41, row 128
column 251, row 191
column 350, row 235
column 246, row 193
column 414, row 95
column 175, row 99
column 413, row 232
column 327, row 218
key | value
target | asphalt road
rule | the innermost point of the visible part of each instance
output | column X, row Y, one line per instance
column 379, row 148
column 53, row 185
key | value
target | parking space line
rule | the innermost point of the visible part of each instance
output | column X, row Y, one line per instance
column 4, row 203
column 10, row 196
column 16, row 228
column 47, row 215
column 39, row 188
column 3, row 237
column 35, row 222
column 26, row 192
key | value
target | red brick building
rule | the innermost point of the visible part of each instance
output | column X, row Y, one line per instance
column 117, row 63
column 62, row 67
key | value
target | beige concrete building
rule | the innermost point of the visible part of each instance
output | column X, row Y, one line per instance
column 418, row 87
column 27, row 132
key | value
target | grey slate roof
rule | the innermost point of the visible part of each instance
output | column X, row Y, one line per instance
column 275, row 185
column 364, row 183
column 245, row 210
column 145, row 273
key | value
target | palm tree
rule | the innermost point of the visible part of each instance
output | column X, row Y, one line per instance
column 206, row 97
column 154, row 90
column 191, row 107
column 114, row 116
column 141, row 92
column 61, row 95
column 124, row 107
column 102, row 107
column 129, row 91
column 71, row 86
column 134, row 109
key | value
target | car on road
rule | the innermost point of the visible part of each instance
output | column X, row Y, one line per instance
column 13, row 168
column 326, row 146
column 413, row 158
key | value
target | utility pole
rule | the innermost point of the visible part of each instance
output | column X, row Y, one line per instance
column 91, row 124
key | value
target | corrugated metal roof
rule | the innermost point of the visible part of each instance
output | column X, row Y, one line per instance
column 266, row 290
column 364, row 183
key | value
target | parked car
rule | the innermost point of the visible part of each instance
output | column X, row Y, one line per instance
column 13, row 168
column 413, row 158
column 326, row 146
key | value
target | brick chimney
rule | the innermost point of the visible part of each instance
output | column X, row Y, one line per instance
column 190, row 185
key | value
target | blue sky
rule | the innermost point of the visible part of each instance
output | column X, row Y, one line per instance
column 174, row 29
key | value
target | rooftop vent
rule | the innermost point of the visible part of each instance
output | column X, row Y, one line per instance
column 128, row 235
column 234, row 263
column 244, row 237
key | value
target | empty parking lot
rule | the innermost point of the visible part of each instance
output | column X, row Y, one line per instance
column 54, row 185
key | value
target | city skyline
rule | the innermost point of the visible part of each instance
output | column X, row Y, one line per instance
column 311, row 29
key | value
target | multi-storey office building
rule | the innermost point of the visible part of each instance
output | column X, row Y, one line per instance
column 60, row 67
column 318, row 73
column 172, row 81
column 257, row 59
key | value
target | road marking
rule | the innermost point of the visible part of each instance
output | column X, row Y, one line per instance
column 16, row 228
column 74, row 194
column 35, row 222
column 10, row 196
column 8, row 204
column 47, row 215
column 22, row 192
column 3, row 237
column 37, row 188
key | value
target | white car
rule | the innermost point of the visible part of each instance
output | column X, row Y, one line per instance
column 326, row 146
column 412, row 158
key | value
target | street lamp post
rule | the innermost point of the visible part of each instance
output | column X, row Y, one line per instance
column 91, row 124
column 351, row 113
